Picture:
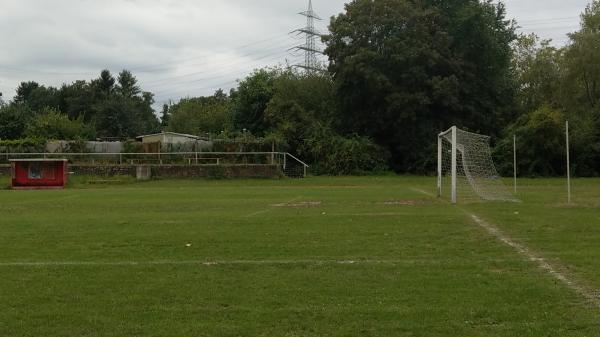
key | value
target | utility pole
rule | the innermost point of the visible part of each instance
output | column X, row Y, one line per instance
column 310, row 47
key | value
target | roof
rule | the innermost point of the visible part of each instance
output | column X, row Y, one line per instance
column 38, row 160
column 169, row 133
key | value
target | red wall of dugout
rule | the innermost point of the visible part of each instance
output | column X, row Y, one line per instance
column 39, row 174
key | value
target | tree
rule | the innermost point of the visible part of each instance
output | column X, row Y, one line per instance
column 165, row 116
column 303, row 114
column 106, row 83
column 202, row 115
column 251, row 99
column 540, row 135
column 127, row 86
column 77, row 99
column 115, row 117
column 36, row 96
column 405, row 70
column 51, row 124
column 24, row 91
column 13, row 121
column 537, row 67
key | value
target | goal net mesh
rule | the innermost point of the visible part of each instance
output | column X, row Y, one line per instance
column 476, row 175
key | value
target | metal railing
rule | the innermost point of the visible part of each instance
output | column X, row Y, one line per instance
column 291, row 166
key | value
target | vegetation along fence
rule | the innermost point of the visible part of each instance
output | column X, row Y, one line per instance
column 290, row 165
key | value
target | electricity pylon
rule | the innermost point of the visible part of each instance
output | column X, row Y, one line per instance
column 310, row 48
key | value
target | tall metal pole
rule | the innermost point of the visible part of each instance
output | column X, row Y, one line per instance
column 568, row 166
column 515, row 160
column 439, row 168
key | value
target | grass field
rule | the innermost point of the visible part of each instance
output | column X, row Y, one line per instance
column 373, row 256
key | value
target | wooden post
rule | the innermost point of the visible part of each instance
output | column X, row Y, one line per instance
column 272, row 152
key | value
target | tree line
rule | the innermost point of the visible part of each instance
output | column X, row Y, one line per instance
column 399, row 72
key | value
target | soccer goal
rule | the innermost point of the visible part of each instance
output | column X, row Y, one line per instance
column 466, row 171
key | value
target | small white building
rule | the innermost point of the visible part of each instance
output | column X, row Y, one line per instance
column 173, row 142
column 168, row 138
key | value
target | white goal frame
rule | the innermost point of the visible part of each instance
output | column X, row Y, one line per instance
column 475, row 166
column 452, row 130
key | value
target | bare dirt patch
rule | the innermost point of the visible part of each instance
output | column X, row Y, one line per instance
column 405, row 202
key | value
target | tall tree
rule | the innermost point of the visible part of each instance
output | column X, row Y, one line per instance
column 105, row 84
column 202, row 115
column 405, row 70
column 127, row 86
column 251, row 99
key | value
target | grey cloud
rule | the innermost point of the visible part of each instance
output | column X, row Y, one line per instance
column 180, row 47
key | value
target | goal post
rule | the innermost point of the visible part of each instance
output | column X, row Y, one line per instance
column 466, row 169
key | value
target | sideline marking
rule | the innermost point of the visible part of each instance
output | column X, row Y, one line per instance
column 587, row 293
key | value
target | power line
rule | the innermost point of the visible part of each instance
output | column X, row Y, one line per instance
column 221, row 64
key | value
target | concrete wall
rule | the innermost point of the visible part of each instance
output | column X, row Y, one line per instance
column 184, row 171
column 174, row 171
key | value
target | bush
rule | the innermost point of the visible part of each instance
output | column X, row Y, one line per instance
column 540, row 144
column 51, row 124
column 337, row 155
column 26, row 145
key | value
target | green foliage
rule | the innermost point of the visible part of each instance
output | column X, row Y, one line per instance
column 201, row 115
column 537, row 67
column 127, row 86
column 251, row 99
column 336, row 155
column 568, row 80
column 115, row 117
column 303, row 114
column 115, row 109
column 13, row 120
column 25, row 145
column 406, row 70
column 540, row 135
column 51, row 124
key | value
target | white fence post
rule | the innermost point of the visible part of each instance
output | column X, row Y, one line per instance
column 515, row 160
column 439, row 167
column 568, row 166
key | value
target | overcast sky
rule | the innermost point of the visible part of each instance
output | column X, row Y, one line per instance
column 181, row 48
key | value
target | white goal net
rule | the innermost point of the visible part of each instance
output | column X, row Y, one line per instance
column 466, row 171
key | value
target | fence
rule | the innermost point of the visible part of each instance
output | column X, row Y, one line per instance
column 289, row 164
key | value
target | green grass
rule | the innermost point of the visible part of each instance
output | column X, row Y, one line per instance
column 371, row 256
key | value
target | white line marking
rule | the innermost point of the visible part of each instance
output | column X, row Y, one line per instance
column 199, row 263
column 207, row 263
column 585, row 292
